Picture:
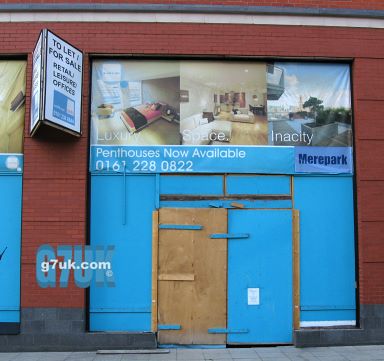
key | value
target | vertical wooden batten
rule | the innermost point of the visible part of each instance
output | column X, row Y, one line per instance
column 296, row 268
column 155, row 260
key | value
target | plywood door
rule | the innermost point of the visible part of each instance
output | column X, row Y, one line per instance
column 192, row 276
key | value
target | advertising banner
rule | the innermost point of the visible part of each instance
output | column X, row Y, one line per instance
column 187, row 116
column 57, row 84
column 12, row 113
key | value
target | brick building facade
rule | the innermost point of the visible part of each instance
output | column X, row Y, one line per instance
column 55, row 198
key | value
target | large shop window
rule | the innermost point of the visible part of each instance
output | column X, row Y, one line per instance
column 262, row 144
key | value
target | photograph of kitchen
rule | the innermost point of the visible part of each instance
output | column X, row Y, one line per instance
column 223, row 103
column 135, row 102
column 309, row 104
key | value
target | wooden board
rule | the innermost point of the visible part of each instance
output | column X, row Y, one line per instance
column 296, row 269
column 197, row 299
column 177, row 277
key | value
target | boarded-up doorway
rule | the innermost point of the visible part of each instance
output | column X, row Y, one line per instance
column 192, row 276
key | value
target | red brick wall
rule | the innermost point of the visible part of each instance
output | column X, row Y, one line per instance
column 352, row 4
column 54, row 199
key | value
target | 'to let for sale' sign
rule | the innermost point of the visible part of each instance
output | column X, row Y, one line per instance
column 56, row 84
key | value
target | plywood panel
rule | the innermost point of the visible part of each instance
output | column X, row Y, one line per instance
column 197, row 300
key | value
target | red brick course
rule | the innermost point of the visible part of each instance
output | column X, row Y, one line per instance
column 55, row 179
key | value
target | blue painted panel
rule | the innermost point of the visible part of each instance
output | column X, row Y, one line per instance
column 242, row 184
column 226, row 204
column 133, row 321
column 328, row 315
column 192, row 185
column 123, row 217
column 327, row 255
column 264, row 260
column 10, row 243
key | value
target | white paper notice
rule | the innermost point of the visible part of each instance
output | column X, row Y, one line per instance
column 253, row 296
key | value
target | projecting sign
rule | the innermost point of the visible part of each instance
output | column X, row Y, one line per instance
column 56, row 84
column 36, row 82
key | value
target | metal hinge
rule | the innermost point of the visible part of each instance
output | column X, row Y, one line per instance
column 227, row 330
column 185, row 227
column 168, row 327
column 229, row 235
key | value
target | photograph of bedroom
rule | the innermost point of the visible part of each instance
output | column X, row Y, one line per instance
column 309, row 104
column 135, row 102
column 223, row 103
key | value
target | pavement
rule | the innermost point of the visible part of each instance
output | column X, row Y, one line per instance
column 279, row 353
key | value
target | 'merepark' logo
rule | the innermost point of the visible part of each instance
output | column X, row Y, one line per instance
column 323, row 159
column 88, row 265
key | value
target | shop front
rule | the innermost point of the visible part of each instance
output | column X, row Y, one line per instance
column 217, row 169
column 228, row 200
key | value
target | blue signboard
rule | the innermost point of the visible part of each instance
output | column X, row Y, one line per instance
column 200, row 159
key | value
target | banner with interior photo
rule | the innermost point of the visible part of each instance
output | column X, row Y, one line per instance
column 212, row 116
column 12, row 111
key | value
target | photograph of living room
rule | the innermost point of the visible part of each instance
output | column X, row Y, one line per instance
column 309, row 104
column 223, row 103
column 135, row 102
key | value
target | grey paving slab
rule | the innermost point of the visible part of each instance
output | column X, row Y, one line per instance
column 108, row 358
column 135, row 358
column 28, row 356
column 172, row 355
column 193, row 354
column 241, row 354
column 219, row 354
column 81, row 356
column 54, row 356
column 332, row 358
column 131, row 357
column 8, row 356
